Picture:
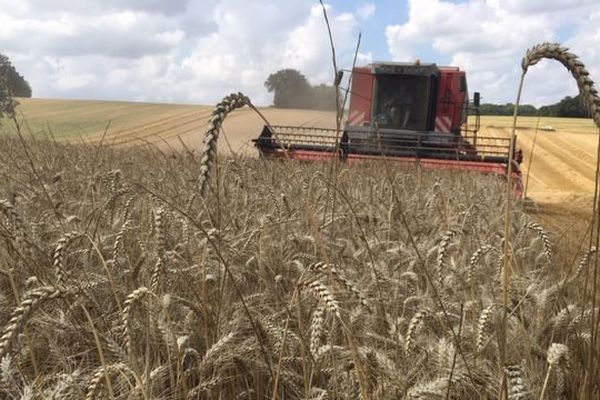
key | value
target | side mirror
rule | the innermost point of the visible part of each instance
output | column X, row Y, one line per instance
column 476, row 99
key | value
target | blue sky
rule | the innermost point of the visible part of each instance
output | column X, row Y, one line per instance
column 387, row 12
column 196, row 51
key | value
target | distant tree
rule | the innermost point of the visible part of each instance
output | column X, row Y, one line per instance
column 12, row 84
column 17, row 85
column 549, row 110
column 291, row 89
column 7, row 103
column 527, row 110
column 324, row 97
column 507, row 109
column 571, row 107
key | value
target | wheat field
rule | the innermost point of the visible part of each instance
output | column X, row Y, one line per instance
column 121, row 280
column 284, row 281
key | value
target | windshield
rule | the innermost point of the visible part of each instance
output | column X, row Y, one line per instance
column 402, row 102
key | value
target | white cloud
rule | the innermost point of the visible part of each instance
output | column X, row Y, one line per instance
column 184, row 51
column 488, row 38
column 198, row 51
column 365, row 11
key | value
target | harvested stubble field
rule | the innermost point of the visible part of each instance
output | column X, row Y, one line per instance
column 119, row 281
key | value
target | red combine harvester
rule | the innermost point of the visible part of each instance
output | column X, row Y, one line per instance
column 407, row 112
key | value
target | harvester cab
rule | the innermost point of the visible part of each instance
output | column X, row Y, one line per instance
column 407, row 112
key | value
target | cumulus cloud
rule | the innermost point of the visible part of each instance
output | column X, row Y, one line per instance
column 365, row 11
column 198, row 51
column 183, row 50
column 489, row 37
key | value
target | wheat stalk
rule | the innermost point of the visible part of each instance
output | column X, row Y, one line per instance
column 325, row 269
column 59, row 251
column 159, row 226
column 583, row 263
column 556, row 353
column 322, row 293
column 101, row 374
column 474, row 260
column 8, row 209
column 484, row 326
column 441, row 255
column 118, row 246
column 21, row 314
column 316, row 329
column 414, row 327
column 129, row 302
column 572, row 63
column 211, row 135
column 544, row 237
column 518, row 388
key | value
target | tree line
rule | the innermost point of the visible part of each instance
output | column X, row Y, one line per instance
column 569, row 106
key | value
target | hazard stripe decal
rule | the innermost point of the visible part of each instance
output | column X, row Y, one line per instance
column 356, row 118
column 443, row 124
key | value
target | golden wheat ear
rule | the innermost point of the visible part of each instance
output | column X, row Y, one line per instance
column 211, row 136
column 24, row 310
column 573, row 64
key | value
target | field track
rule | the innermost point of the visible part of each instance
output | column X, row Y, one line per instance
column 561, row 176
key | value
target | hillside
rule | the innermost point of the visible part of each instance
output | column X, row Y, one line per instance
column 129, row 123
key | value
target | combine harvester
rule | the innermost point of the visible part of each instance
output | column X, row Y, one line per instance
column 408, row 112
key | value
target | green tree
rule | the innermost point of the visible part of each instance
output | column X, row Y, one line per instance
column 17, row 85
column 507, row 109
column 7, row 103
column 12, row 84
column 291, row 89
column 572, row 107
column 324, row 97
column 568, row 107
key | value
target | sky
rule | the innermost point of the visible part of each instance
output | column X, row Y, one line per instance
column 197, row 51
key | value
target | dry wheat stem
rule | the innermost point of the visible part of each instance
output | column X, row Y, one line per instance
column 211, row 136
column 100, row 374
column 130, row 301
column 59, row 252
column 24, row 310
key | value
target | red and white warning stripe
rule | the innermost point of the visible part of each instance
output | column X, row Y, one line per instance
column 443, row 124
column 356, row 117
